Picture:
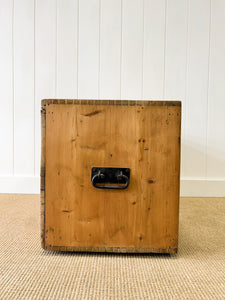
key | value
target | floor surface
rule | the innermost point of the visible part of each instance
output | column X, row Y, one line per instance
column 29, row 272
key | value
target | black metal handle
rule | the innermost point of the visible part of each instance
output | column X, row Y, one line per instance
column 115, row 176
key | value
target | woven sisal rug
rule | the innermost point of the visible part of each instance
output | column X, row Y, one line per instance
column 196, row 272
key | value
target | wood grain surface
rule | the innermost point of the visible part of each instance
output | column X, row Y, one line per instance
column 141, row 135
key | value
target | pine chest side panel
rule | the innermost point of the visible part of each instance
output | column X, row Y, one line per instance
column 141, row 135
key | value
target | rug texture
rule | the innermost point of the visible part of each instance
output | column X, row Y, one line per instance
column 29, row 272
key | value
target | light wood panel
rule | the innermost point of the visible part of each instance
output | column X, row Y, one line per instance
column 97, row 42
column 132, row 51
column 110, row 49
column 67, row 34
column 175, row 49
column 143, row 136
column 216, row 94
column 24, row 87
column 197, row 88
column 6, row 83
column 88, row 49
column 45, row 63
column 176, row 53
column 154, row 49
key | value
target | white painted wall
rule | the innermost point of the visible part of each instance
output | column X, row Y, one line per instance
column 113, row 49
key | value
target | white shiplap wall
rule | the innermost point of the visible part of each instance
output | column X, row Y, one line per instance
column 113, row 49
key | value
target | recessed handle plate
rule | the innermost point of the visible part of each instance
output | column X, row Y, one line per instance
column 110, row 178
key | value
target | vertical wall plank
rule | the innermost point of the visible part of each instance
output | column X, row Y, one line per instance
column 216, row 94
column 110, row 49
column 6, row 79
column 88, row 49
column 24, row 87
column 175, row 50
column 132, row 49
column 197, row 86
column 176, row 60
column 45, row 63
column 154, row 46
column 67, row 17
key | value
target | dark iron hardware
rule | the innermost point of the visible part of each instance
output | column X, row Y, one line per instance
column 118, row 178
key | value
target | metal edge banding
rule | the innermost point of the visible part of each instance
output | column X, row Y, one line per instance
column 111, row 249
column 111, row 102
column 179, row 140
column 42, row 171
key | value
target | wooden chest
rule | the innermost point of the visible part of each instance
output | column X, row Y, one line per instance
column 110, row 173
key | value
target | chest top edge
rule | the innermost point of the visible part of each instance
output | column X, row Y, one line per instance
column 45, row 102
